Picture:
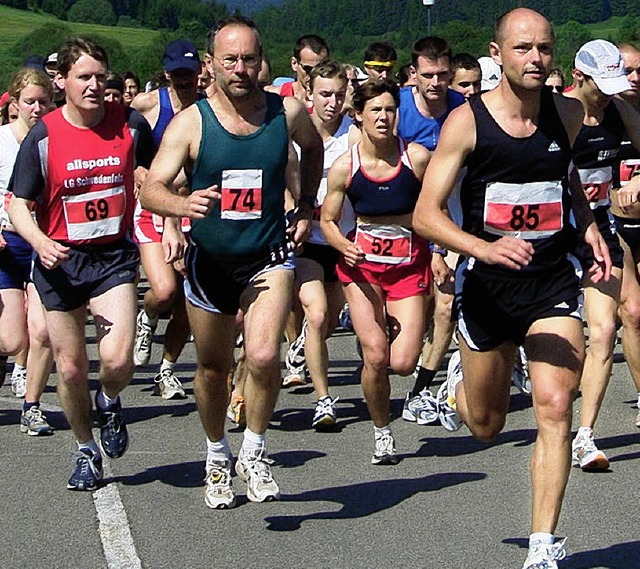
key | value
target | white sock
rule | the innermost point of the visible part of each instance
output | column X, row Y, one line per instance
column 17, row 369
column 90, row 445
column 381, row 431
column 151, row 322
column 585, row 432
column 253, row 441
column 540, row 538
column 218, row 451
column 166, row 364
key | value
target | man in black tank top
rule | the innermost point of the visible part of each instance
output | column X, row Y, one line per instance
column 515, row 285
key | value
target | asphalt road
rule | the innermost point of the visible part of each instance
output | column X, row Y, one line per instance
column 452, row 502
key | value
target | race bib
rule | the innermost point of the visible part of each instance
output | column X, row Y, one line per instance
column 600, row 179
column 158, row 223
column 530, row 211
column 390, row 244
column 94, row 214
column 628, row 169
column 241, row 194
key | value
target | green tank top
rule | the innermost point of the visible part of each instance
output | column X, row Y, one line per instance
column 250, row 171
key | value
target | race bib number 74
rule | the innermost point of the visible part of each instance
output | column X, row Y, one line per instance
column 530, row 211
column 241, row 194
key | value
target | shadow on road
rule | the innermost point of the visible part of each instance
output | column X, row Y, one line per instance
column 365, row 499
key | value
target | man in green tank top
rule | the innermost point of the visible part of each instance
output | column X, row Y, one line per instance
column 234, row 148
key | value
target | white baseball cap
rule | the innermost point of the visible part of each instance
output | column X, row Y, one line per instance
column 491, row 73
column 602, row 61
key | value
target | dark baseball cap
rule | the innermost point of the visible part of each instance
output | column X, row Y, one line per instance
column 181, row 54
column 35, row 61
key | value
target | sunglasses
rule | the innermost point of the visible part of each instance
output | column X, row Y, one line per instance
column 556, row 88
column 307, row 68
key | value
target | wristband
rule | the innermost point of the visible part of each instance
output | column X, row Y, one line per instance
column 437, row 250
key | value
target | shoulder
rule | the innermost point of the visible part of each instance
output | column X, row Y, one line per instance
column 418, row 153
column 144, row 102
column 454, row 99
column 571, row 113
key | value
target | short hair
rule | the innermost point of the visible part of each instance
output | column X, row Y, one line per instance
column 327, row 69
column 431, row 48
column 74, row 48
column 315, row 43
column 235, row 20
column 371, row 89
column 557, row 72
column 464, row 61
column 380, row 51
column 403, row 74
column 130, row 75
column 498, row 28
column 29, row 76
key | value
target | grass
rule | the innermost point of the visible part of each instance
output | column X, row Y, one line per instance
column 17, row 23
column 607, row 29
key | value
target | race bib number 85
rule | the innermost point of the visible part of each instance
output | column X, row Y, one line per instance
column 241, row 194
column 94, row 214
column 529, row 211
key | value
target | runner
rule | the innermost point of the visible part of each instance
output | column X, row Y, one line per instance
column 380, row 58
column 32, row 92
column 76, row 166
column 598, row 75
column 383, row 265
column 131, row 87
column 238, row 256
column 516, row 284
column 467, row 75
column 158, row 238
column 556, row 80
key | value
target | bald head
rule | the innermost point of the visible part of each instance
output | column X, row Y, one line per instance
column 513, row 20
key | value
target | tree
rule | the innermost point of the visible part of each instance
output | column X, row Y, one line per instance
column 92, row 12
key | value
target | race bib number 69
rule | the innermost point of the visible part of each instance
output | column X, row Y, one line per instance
column 94, row 214
column 530, row 211
column 241, row 194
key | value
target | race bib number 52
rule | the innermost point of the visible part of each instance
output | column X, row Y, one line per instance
column 389, row 244
column 529, row 211
column 241, row 194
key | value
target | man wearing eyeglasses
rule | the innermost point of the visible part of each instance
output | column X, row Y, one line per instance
column 235, row 147
column 379, row 60
column 308, row 51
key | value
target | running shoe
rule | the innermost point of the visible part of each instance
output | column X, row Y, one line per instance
column 114, row 438
column 385, row 452
column 325, row 413
column 3, row 369
column 344, row 320
column 295, row 354
column 144, row 341
column 218, row 491
column 19, row 383
column 168, row 386
column 88, row 471
column 446, row 399
column 33, row 422
column 586, row 455
column 254, row 468
column 543, row 556
column 520, row 375
column 237, row 410
column 421, row 408
column 295, row 378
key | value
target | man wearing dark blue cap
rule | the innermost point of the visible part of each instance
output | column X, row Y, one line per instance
column 154, row 236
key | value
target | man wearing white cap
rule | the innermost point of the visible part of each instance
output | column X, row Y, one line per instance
column 491, row 73
column 599, row 74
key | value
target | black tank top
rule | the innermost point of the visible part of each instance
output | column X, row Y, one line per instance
column 519, row 186
column 595, row 154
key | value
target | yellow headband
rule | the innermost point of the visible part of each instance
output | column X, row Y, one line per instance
column 379, row 63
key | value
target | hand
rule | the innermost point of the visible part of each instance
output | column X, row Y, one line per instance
column 591, row 192
column 179, row 267
column 51, row 253
column 353, row 254
column 442, row 273
column 508, row 251
column 601, row 268
column 139, row 176
column 628, row 196
column 174, row 242
column 200, row 202
column 299, row 226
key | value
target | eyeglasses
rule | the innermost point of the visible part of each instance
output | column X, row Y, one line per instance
column 229, row 62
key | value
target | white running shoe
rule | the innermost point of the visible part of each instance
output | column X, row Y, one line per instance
column 324, row 416
column 543, row 556
column 254, row 467
column 586, row 455
column 520, row 376
column 19, row 383
column 421, row 408
column 168, row 386
column 295, row 378
column 385, row 452
column 144, row 341
column 446, row 397
column 218, row 491
column 295, row 354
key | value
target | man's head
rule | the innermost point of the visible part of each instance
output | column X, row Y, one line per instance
column 308, row 51
column 82, row 67
column 181, row 65
column 114, row 89
column 235, row 56
column 379, row 60
column 406, row 76
column 466, row 74
column 522, row 46
column 555, row 81
column 631, row 57
column 328, row 88
column 431, row 59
